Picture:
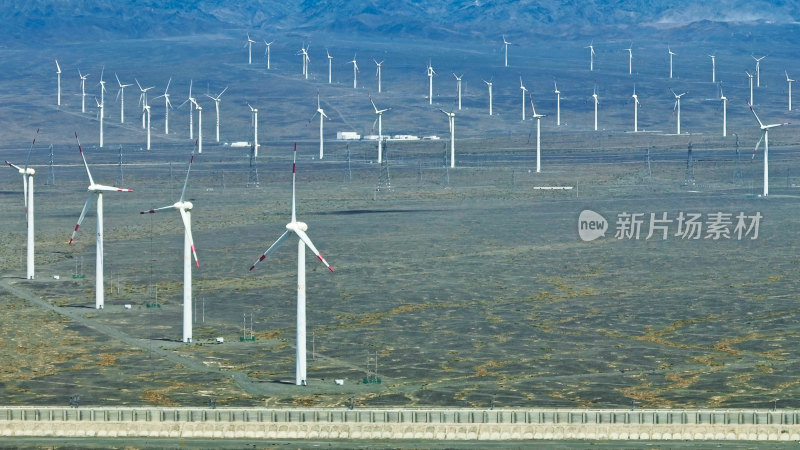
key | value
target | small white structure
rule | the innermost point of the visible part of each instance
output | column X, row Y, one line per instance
column 371, row 137
column 240, row 144
column 220, row 340
column 347, row 136
column 431, row 138
column 56, row 277
column 128, row 306
column 405, row 137
column 338, row 382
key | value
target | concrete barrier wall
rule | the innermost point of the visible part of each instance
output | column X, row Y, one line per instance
column 432, row 424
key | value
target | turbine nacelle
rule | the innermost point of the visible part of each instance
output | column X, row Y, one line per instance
column 294, row 226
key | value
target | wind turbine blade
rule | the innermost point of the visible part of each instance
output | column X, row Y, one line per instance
column 186, row 181
column 100, row 187
column 14, row 166
column 155, row 210
column 25, row 192
column 294, row 176
column 30, row 149
column 188, row 226
column 758, row 144
column 275, row 245
column 80, row 219
column 304, row 237
column 80, row 149
column 223, row 91
column 756, row 116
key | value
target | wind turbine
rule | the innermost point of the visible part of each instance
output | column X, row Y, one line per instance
column 724, row 111
column 596, row 101
column 630, row 59
column 299, row 229
column 121, row 97
column 431, row 73
column 489, row 84
column 330, row 67
column 790, row 81
column 751, row 86
column 635, row 110
column 83, row 90
column 591, row 56
column 185, row 209
column 58, row 75
column 322, row 117
column 765, row 137
column 378, row 73
column 538, row 118
column 451, row 116
column 97, row 191
column 506, row 44
column 458, row 85
column 713, row 68
column 146, row 112
column 678, row 108
column 199, row 126
column 217, row 99
column 102, row 84
column 379, row 112
column 100, row 107
column 27, row 191
column 355, row 71
column 267, row 52
column 524, row 94
column 191, row 101
column 671, row 54
column 167, row 106
column 304, row 55
column 758, row 70
column 255, row 130
column 249, row 45
column 558, row 103
column 142, row 98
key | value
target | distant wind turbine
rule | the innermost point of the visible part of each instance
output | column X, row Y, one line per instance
column 27, row 195
column 95, row 190
column 790, row 81
column 750, row 77
column 167, row 106
column 671, row 54
column 142, row 98
column 58, row 75
column 322, row 117
column 765, row 137
column 249, row 45
column 558, row 103
column 630, row 59
column 217, row 99
column 451, row 117
column 379, row 112
column 678, row 108
column 378, row 73
column 431, row 73
column 267, row 52
column 591, row 56
column 458, row 88
column 489, row 84
column 713, row 68
column 538, row 118
column 524, row 95
column 635, row 110
column 724, row 111
column 255, row 129
column 758, row 69
column 355, row 72
column 596, row 101
column 83, row 90
column 121, row 97
column 100, row 114
column 330, row 67
column 299, row 229
column 506, row 44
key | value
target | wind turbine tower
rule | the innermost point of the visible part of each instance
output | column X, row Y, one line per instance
column 83, row 90
column 121, row 97
column 596, row 101
column 678, row 108
column 538, row 118
column 630, row 59
column 506, row 44
column 217, row 99
column 299, row 229
column 591, row 56
column 765, row 137
column 558, row 103
column 249, row 45
column 267, row 52
column 458, row 87
column 378, row 73
column 790, row 81
column 671, row 54
column 147, row 113
column 379, row 112
column 58, row 75
column 713, row 68
column 451, row 117
column 167, row 106
column 355, row 72
column 431, row 73
column 102, row 84
column 255, row 130
column 100, row 108
column 199, row 126
column 27, row 190
column 330, row 67
column 142, row 98
column 524, row 95
column 95, row 190
column 758, row 70
column 724, row 111
column 185, row 209
column 322, row 117
column 489, row 84
column 751, row 86
column 635, row 110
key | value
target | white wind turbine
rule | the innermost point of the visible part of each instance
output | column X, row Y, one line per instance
column 58, row 75
column 524, row 94
column 431, row 73
column 378, row 73
column 506, row 44
column 591, row 56
column 558, row 103
column 299, row 229
column 765, row 137
column 191, row 101
column 121, row 97
column 750, row 77
column 379, row 112
column 713, row 68
column 249, row 45
column 97, row 191
column 199, row 126
column 100, row 107
column 322, row 117
column 304, row 55
column 790, row 81
column 184, row 207
column 489, row 84
column 330, row 66
column 596, row 101
column 678, row 108
column 758, row 70
column 538, row 118
column 724, row 111
column 102, row 84
column 451, row 117
column 142, row 98
column 147, row 114
column 83, row 90
column 635, row 110
column 355, row 72
column 630, row 59
column 27, row 192
column 167, row 106
column 267, row 52
column 217, row 99
column 671, row 54
column 255, row 129
column 458, row 88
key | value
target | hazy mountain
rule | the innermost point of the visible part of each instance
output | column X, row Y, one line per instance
column 84, row 19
